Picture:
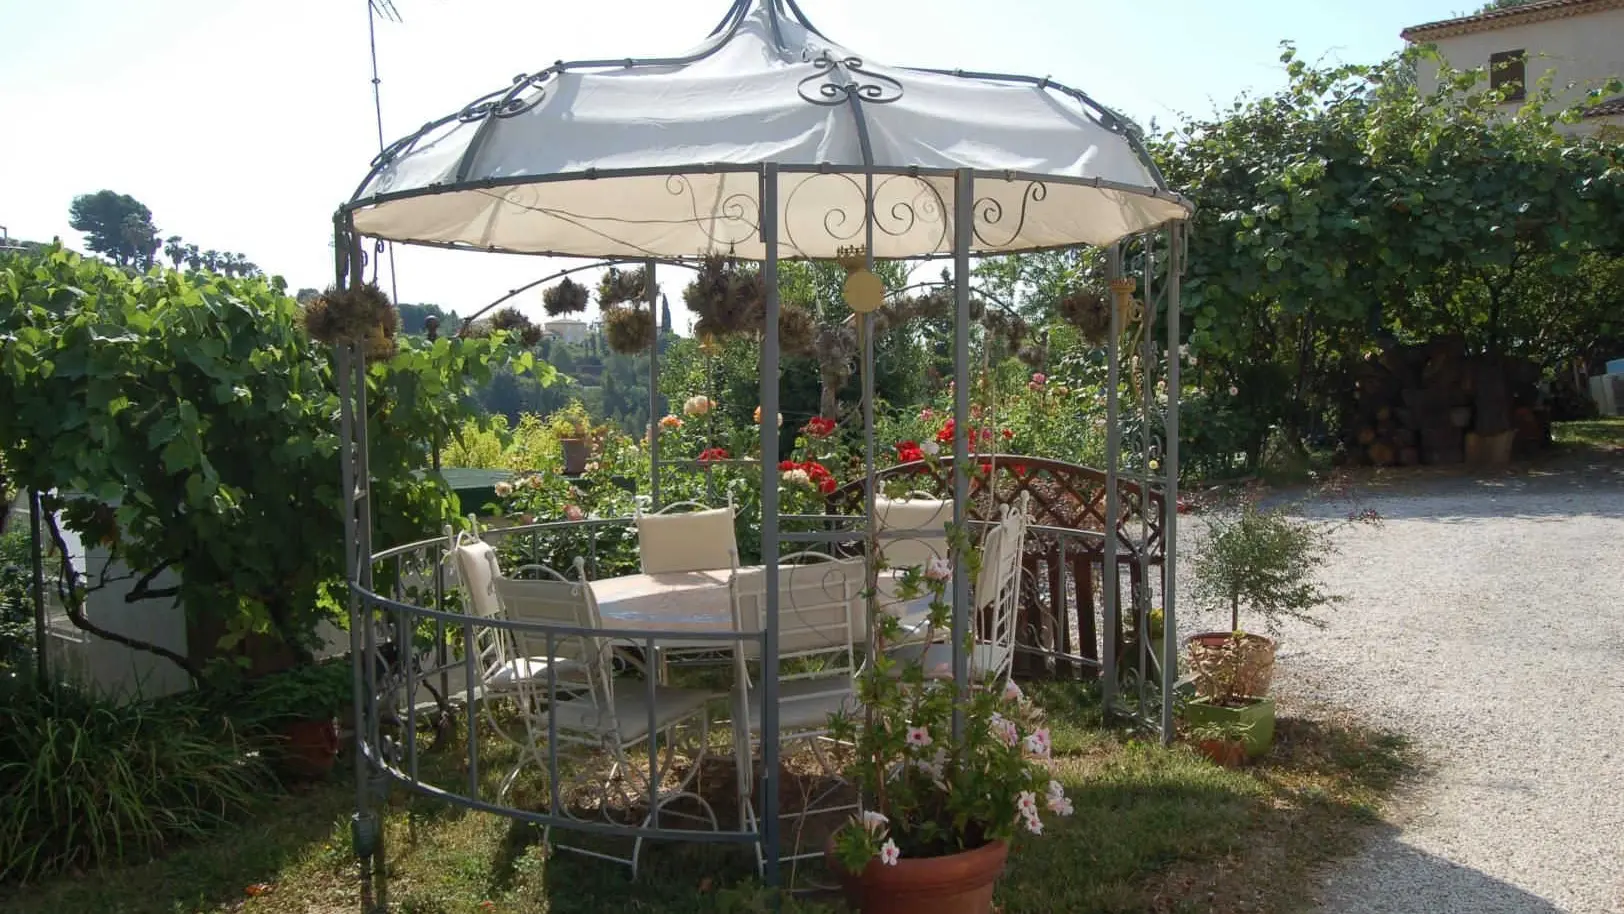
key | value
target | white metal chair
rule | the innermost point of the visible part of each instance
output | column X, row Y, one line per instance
column 500, row 666
column 913, row 532
column 686, row 536
column 604, row 715
column 817, row 626
column 997, row 592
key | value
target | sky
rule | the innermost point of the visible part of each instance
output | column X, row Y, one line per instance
column 243, row 124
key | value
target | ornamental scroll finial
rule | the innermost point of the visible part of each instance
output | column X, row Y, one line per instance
column 837, row 80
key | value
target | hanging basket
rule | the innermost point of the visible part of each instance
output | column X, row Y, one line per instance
column 514, row 322
column 629, row 330
column 1089, row 310
column 568, row 297
column 619, row 287
column 362, row 314
column 727, row 299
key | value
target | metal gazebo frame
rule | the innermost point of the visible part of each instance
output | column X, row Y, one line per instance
column 982, row 210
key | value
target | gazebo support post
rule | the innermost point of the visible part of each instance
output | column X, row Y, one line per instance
column 1170, row 487
column 963, row 239
column 36, row 534
column 1113, row 508
column 366, row 833
column 769, row 524
column 651, row 288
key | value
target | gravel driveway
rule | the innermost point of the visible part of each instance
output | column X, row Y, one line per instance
column 1485, row 619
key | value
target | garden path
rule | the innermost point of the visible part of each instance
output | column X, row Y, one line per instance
column 1485, row 620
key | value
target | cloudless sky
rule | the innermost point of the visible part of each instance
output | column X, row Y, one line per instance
column 243, row 124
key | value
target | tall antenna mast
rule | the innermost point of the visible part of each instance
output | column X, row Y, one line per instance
column 385, row 9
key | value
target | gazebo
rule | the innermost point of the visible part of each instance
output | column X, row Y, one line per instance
column 768, row 141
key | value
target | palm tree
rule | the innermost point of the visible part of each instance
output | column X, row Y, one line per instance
column 194, row 259
column 174, row 250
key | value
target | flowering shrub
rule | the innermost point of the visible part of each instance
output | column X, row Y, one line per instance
column 927, row 795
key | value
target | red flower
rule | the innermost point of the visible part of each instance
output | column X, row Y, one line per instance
column 786, row 465
column 714, row 453
column 945, row 434
column 827, row 485
column 1008, row 435
column 909, row 452
column 819, row 427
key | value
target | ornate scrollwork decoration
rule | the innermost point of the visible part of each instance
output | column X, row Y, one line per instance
column 901, row 205
column 836, row 80
column 989, row 211
column 740, row 211
column 515, row 100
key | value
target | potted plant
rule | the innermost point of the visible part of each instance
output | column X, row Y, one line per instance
column 573, row 428
column 939, row 813
column 299, row 707
column 1223, row 743
column 1268, row 562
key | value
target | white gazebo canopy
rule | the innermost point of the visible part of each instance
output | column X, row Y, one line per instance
column 663, row 157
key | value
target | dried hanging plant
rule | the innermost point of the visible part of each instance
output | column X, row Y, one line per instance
column 619, row 287
column 1089, row 310
column 516, row 323
column 1010, row 328
column 362, row 314
column 568, row 297
column 1035, row 355
column 727, row 299
column 797, row 331
column 629, row 330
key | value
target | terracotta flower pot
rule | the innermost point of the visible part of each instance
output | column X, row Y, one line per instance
column 1228, row 753
column 576, row 452
column 308, row 749
column 956, row 884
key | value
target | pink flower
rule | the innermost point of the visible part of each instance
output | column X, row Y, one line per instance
column 1012, row 692
column 939, row 570
column 1060, row 806
column 1234, row 391
column 1039, row 377
column 1004, row 728
column 889, row 853
column 1033, row 823
column 574, row 512
column 1038, row 743
column 927, row 414
column 918, row 736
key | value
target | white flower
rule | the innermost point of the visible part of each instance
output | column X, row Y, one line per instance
column 1033, row 823
column 697, row 406
column 1234, row 391
column 504, row 489
column 931, row 448
column 873, row 821
column 1056, row 789
column 1027, row 803
column 1003, row 728
column 1012, row 692
column 889, row 853
column 1059, row 805
column 918, row 736
column 797, row 478
column 939, row 570
column 1038, row 743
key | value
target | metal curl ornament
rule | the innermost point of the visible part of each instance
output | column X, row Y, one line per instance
column 989, row 211
column 879, row 89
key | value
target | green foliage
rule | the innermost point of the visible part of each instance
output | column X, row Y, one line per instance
column 86, row 782
column 307, row 691
column 16, row 603
column 1349, row 203
column 189, row 423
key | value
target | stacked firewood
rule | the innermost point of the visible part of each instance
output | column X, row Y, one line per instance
column 1435, row 403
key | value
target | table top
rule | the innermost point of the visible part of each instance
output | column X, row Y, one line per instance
column 697, row 601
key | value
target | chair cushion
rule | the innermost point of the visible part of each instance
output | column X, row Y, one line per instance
column 631, row 710
column 804, row 705
column 508, row 675
column 926, row 519
column 478, row 568
column 692, row 541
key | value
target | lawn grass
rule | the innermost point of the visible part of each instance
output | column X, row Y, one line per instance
column 1598, row 434
column 1154, row 830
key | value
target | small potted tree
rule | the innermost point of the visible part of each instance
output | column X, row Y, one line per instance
column 939, row 813
column 1267, row 562
column 573, row 428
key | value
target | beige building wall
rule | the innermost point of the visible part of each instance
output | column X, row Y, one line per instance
column 1585, row 51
